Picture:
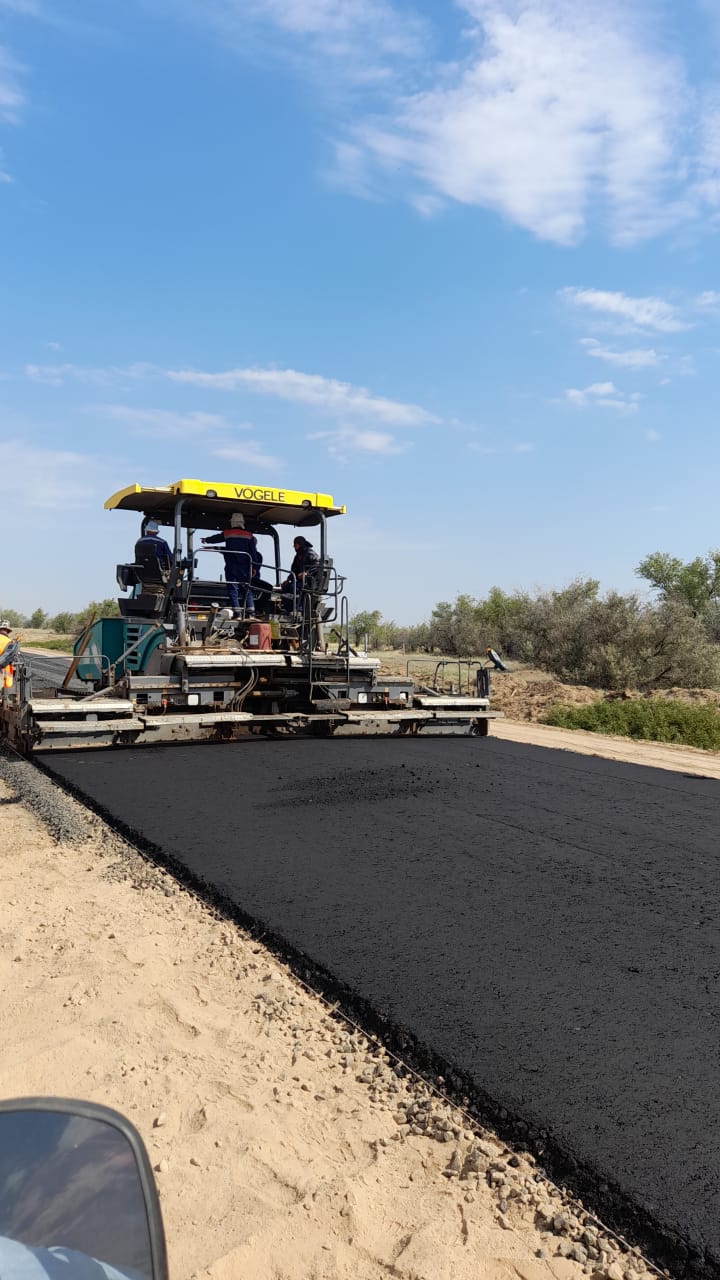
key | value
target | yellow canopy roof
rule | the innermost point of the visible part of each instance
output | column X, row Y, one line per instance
column 209, row 505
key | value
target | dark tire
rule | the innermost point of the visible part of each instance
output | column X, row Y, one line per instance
column 481, row 728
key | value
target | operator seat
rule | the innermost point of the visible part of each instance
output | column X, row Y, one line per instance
column 149, row 569
column 148, row 582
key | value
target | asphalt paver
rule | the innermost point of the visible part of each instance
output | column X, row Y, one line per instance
column 546, row 923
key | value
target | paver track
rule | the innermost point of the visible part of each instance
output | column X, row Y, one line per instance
column 546, row 923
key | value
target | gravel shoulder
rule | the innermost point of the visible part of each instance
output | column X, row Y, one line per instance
column 286, row 1144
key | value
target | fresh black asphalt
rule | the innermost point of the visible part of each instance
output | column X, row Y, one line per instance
column 546, row 923
column 49, row 671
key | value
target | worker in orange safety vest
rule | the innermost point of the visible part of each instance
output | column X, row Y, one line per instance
column 7, row 673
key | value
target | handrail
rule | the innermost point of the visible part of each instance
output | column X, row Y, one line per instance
column 345, row 633
column 469, row 663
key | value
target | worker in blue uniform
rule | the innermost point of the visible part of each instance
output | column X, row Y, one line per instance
column 151, row 550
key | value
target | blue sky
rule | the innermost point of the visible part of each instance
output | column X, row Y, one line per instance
column 456, row 264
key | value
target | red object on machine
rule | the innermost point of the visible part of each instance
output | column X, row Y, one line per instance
column 260, row 636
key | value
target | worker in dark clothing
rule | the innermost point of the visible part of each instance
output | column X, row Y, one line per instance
column 305, row 560
column 241, row 556
column 153, row 554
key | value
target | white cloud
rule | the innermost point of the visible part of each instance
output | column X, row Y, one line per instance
column 249, row 454
column 640, row 358
column 490, row 450
column 338, row 24
column 166, row 422
column 48, row 479
column 56, row 375
column 652, row 436
column 12, row 98
column 327, row 394
column 708, row 180
column 604, row 395
column 524, row 124
column 707, row 300
column 357, row 43
column 352, row 171
column 639, row 313
column 54, row 346
column 348, row 440
column 28, row 8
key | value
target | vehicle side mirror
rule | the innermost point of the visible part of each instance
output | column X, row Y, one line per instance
column 75, row 1179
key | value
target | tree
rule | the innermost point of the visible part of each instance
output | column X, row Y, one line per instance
column 696, row 583
column 366, row 623
column 13, row 617
column 38, row 619
column 107, row 608
column 63, row 623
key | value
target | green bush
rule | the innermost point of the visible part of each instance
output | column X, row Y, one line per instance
column 57, row 643
column 655, row 720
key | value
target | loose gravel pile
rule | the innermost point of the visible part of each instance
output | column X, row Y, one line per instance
column 64, row 817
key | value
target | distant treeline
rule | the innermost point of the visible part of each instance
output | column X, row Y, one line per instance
column 62, row 623
column 610, row 641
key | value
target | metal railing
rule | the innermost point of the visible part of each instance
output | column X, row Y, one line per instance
column 467, row 673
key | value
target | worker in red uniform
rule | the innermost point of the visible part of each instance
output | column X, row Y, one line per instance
column 241, row 555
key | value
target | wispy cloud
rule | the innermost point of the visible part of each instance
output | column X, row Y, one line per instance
column 56, row 375
column 652, row 436
column 602, row 395
column 313, row 390
column 28, row 8
column 486, row 450
column 12, row 98
column 707, row 183
column 516, row 117
column 169, row 423
column 640, row 313
column 48, row 479
column 347, row 440
column 639, row 358
column 708, row 300
column 358, row 42
column 249, row 454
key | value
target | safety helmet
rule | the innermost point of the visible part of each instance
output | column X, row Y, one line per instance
column 5, row 625
column 237, row 520
column 152, row 526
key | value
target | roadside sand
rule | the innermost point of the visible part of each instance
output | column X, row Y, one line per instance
column 658, row 755
column 286, row 1144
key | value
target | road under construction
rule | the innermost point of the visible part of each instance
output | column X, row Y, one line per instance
column 536, row 926
column 539, row 925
